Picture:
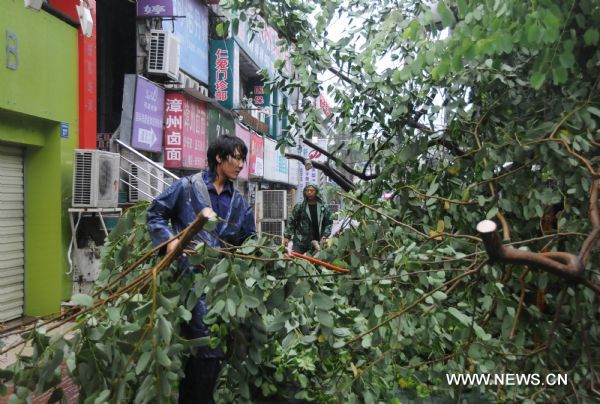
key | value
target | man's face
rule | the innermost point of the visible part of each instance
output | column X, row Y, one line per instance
column 231, row 166
column 310, row 193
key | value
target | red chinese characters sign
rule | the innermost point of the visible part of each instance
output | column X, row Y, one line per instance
column 185, row 132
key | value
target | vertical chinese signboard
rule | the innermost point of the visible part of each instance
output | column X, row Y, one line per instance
column 257, row 145
column 185, row 132
column 224, row 72
column 244, row 134
column 148, row 113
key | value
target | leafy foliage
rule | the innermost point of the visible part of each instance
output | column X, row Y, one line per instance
column 465, row 111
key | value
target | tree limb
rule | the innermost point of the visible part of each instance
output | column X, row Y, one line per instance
column 344, row 165
column 329, row 171
column 594, row 215
column 562, row 264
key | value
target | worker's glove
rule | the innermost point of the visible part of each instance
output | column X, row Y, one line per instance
column 290, row 244
column 316, row 245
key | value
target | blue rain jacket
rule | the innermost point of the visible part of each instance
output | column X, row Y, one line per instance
column 174, row 210
column 180, row 204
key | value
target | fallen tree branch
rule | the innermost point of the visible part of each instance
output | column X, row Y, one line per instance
column 329, row 171
column 562, row 264
column 594, row 215
column 346, row 167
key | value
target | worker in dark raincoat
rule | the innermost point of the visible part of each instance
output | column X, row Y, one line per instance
column 310, row 222
column 174, row 210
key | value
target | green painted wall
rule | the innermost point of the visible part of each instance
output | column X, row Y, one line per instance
column 36, row 96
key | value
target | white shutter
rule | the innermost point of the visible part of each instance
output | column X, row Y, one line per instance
column 12, row 254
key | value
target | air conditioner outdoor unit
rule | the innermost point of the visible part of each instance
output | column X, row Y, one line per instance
column 95, row 179
column 271, row 205
column 273, row 228
column 163, row 56
column 146, row 181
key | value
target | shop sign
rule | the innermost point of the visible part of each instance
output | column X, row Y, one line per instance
column 245, row 135
column 155, row 8
column 193, row 32
column 185, row 132
column 148, row 114
column 275, row 165
column 224, row 72
column 323, row 105
column 260, row 97
column 257, row 144
column 219, row 124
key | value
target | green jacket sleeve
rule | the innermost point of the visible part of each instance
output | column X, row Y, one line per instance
column 327, row 222
column 292, row 223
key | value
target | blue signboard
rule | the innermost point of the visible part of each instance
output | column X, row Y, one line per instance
column 64, row 130
column 193, row 33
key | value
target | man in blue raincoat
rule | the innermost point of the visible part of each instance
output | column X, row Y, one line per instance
column 174, row 210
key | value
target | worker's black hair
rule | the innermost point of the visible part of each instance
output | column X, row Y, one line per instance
column 225, row 146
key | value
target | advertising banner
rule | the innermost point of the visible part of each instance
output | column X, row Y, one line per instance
column 193, row 33
column 148, row 114
column 155, row 8
column 185, row 132
column 224, row 72
column 244, row 134
column 276, row 166
column 256, row 166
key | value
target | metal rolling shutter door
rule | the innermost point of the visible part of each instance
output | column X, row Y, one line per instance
column 12, row 240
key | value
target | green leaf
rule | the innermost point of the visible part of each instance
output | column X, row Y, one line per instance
column 82, row 300
column 559, row 75
column 162, row 358
column 325, row 318
column 460, row 316
column 439, row 295
column 103, row 397
column 231, row 307
column 323, row 301
column 591, row 37
column 250, row 301
column 594, row 111
column 566, row 59
column 492, row 212
column 143, row 362
column 537, row 80
column 341, row 332
column 164, row 329
column 481, row 334
column 445, row 14
column 378, row 310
